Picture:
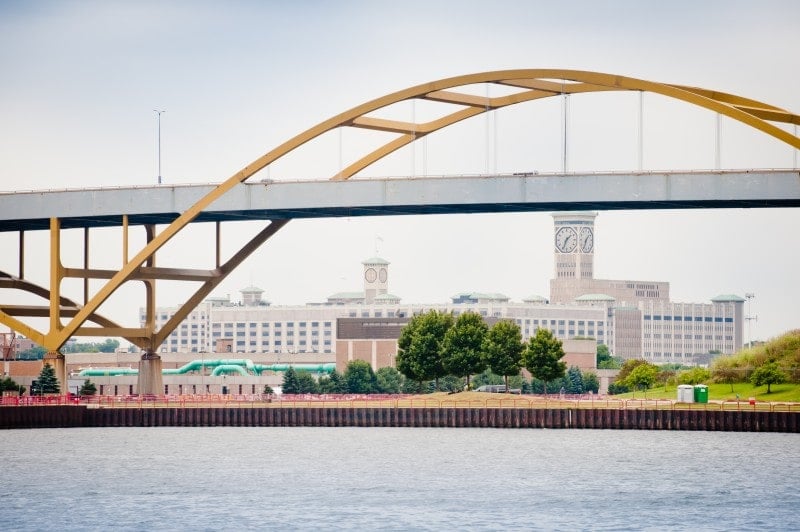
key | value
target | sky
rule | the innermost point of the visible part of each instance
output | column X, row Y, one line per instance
column 81, row 81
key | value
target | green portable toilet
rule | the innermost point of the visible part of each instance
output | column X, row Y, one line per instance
column 700, row 393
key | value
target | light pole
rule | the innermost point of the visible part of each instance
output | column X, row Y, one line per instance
column 749, row 318
column 159, row 142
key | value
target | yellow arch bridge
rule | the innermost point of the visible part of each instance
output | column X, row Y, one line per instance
column 174, row 208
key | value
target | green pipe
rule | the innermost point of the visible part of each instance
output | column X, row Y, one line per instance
column 228, row 368
column 108, row 372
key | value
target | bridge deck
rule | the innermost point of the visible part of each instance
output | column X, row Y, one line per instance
column 399, row 196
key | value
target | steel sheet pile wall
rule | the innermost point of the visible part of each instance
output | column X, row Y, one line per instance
column 81, row 416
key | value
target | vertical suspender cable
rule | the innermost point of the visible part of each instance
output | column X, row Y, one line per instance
column 486, row 112
column 340, row 152
column 425, row 156
column 563, row 129
column 716, row 147
column 641, row 131
column 494, row 149
column 413, row 137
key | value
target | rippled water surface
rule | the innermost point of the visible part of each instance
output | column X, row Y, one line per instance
column 396, row 479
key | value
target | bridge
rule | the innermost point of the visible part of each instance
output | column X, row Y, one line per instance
column 519, row 192
column 176, row 207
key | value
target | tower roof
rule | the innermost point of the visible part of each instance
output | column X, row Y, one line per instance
column 376, row 260
column 251, row 289
column 535, row 298
column 728, row 298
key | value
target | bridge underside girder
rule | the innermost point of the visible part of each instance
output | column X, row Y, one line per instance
column 526, row 192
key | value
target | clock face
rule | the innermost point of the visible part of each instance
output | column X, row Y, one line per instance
column 382, row 275
column 586, row 240
column 566, row 240
column 370, row 275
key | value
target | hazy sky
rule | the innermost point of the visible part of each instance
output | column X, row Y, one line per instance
column 80, row 81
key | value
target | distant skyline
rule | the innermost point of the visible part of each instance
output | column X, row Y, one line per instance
column 81, row 81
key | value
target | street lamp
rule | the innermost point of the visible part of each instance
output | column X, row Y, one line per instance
column 750, row 318
column 159, row 142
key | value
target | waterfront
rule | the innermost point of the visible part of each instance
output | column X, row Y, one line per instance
column 396, row 479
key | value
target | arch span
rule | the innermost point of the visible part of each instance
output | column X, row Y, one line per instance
column 528, row 85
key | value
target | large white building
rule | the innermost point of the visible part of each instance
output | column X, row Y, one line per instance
column 644, row 321
column 634, row 318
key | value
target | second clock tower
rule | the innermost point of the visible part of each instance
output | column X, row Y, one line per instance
column 376, row 278
column 574, row 245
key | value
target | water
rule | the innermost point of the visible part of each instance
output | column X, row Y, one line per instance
column 396, row 479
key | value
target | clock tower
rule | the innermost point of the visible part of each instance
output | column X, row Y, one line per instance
column 376, row 278
column 574, row 244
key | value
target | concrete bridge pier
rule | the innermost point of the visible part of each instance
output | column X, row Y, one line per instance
column 606, row 376
column 59, row 364
column 150, row 380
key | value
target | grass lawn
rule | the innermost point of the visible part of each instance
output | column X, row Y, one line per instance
column 722, row 392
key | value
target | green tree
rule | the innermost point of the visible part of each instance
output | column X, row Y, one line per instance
column 725, row 374
column 574, row 383
column 419, row 353
column 502, row 349
column 542, row 358
column 665, row 374
column 612, row 363
column 333, row 383
column 642, row 377
column 412, row 386
column 462, row 349
column 36, row 352
column 290, row 384
column 9, row 385
column 628, row 366
column 306, row 383
column 616, row 388
column 696, row 375
column 109, row 346
column 485, row 377
column 590, row 382
column 389, row 380
column 450, row 383
column 603, row 354
column 47, row 382
column 87, row 388
column 360, row 378
column 268, row 390
column 768, row 374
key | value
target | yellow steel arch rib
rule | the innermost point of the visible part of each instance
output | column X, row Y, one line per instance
column 531, row 84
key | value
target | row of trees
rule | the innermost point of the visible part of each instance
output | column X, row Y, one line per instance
column 45, row 383
column 434, row 344
column 37, row 352
column 642, row 375
column 358, row 378
column 773, row 362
